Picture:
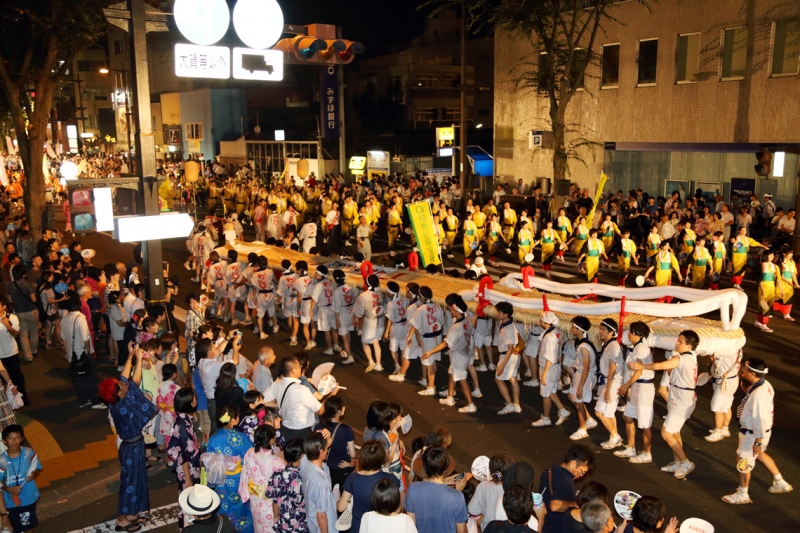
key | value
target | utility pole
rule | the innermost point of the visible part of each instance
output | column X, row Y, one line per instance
column 340, row 82
column 463, row 135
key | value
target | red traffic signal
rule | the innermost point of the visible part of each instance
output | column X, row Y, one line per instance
column 313, row 50
column 764, row 158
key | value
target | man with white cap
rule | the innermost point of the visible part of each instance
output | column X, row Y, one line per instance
column 609, row 380
column 478, row 267
column 583, row 380
column 412, row 349
column 322, row 300
column 397, row 323
column 550, row 370
column 755, row 415
column 506, row 340
column 199, row 505
column 344, row 298
column 370, row 310
column 426, row 326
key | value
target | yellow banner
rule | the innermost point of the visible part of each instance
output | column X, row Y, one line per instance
column 598, row 195
column 422, row 224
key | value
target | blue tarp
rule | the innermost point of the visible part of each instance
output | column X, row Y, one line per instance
column 481, row 161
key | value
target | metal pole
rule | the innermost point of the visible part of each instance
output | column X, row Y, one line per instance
column 128, row 113
column 463, row 138
column 340, row 81
column 145, row 146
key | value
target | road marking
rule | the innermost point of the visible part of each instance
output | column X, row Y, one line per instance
column 160, row 517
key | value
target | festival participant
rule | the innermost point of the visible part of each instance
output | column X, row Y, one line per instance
column 305, row 288
column 235, row 283
column 550, row 370
column 263, row 283
column 250, row 295
column 682, row 398
column 344, row 298
column 687, row 239
column 725, row 378
column 459, row 343
column 479, row 218
column 216, row 280
column 274, row 223
column 788, row 282
column 583, row 380
column 396, row 324
column 594, row 249
column 506, row 340
column 719, row 255
column 349, row 212
column 412, row 349
column 394, row 221
column 564, row 229
column 525, row 241
column 770, row 276
column 665, row 263
column 609, row 380
column 639, row 408
column 627, row 252
column 701, row 262
column 363, row 234
column 653, row 244
column 755, row 415
column 741, row 247
column 322, row 301
column 483, row 339
column 549, row 239
column 509, row 222
column 608, row 229
column 450, row 224
column 287, row 299
column 427, row 325
column 471, row 238
column 494, row 234
column 308, row 234
column 370, row 312
column 202, row 246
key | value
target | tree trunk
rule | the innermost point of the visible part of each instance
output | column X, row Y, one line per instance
column 559, row 146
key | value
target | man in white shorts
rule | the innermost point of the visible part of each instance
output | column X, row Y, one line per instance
column 531, row 355
column 396, row 324
column 202, row 246
column 215, row 280
column 412, row 349
column 287, row 296
column 427, row 326
column 250, row 294
column 308, row 234
column 274, row 223
column 609, row 380
column 725, row 378
column 322, row 301
column 305, row 288
column 370, row 312
column 639, row 409
column 263, row 282
column 483, row 341
column 459, row 341
column 549, row 359
column 584, row 377
column 506, row 341
column 235, row 283
column 682, row 398
column 344, row 298
column 755, row 415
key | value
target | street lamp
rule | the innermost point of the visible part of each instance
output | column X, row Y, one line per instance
column 106, row 70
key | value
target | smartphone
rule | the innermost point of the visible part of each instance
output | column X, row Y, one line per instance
column 458, row 477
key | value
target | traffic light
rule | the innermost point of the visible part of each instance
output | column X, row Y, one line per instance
column 81, row 209
column 764, row 158
column 313, row 50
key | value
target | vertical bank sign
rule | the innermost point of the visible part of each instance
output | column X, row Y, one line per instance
column 329, row 101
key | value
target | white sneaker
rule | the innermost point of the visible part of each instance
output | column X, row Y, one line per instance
column 378, row 368
column 308, row 346
column 329, row 351
column 725, row 432
column 396, row 369
column 449, row 401
column 337, row 348
column 276, row 329
column 397, row 378
column 737, row 498
column 508, row 409
column 508, row 250
column 578, row 435
column 517, row 408
column 591, row 423
column 684, row 469
column 642, row 458
column 714, row 436
column 187, row 266
column 370, row 367
column 468, row 409
column 563, row 414
column 531, row 383
column 780, row 486
column 256, row 330
column 542, row 422
column 476, row 393
column 263, row 336
column 430, row 391
column 672, row 467
column 444, row 392
column 626, row 452
column 612, row 442
column 423, row 382
column 293, row 341
column 481, row 368
column 450, row 256
column 196, row 280
column 348, row 360
column 528, row 373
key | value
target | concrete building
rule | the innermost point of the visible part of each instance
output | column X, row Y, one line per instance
column 682, row 97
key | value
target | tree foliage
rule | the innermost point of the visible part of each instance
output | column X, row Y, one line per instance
column 40, row 40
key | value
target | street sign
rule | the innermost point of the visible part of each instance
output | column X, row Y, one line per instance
column 445, row 137
column 194, row 61
column 265, row 65
column 154, row 228
column 535, row 139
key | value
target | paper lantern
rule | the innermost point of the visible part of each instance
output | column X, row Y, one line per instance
column 191, row 171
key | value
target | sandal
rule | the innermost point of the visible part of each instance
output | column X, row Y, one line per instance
column 154, row 459
column 130, row 528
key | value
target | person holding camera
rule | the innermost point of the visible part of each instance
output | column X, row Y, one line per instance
column 78, row 343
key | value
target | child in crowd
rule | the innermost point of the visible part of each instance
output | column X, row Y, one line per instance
column 19, row 467
column 285, row 491
column 165, row 403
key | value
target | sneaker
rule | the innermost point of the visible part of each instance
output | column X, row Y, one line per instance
column 563, row 414
column 780, row 486
column 226, row 319
column 591, row 423
column 444, row 392
column 725, row 432
column 737, row 498
column 337, row 348
column 481, row 368
column 450, row 256
column 517, row 408
column 276, row 328
column 263, row 336
column 293, row 341
column 99, row 406
column 196, row 280
column 468, row 409
column 430, row 391
column 476, row 393
column 348, row 360
column 313, row 344
column 626, row 452
column 542, row 422
column 714, row 436
column 329, row 351
column 508, row 409
column 256, row 330
column 378, row 368
column 308, row 346
column 612, row 442
column 528, row 373
column 370, row 367
column 642, row 458
column 492, row 367
column 508, row 250
column 423, row 382
column 397, row 378
column 449, row 401
column 396, row 370
column 672, row 467
column 684, row 469
column 531, row 383
column 580, row 434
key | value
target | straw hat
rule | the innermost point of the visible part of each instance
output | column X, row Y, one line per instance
column 198, row 500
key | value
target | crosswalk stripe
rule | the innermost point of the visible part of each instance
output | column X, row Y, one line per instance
column 160, row 517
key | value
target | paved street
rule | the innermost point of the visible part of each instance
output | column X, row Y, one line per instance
column 88, row 496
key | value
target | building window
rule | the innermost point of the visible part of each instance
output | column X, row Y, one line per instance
column 117, row 48
column 543, row 72
column 610, row 66
column 194, row 131
column 84, row 66
column 427, row 80
column 451, row 113
column 734, row 53
column 648, row 62
column 92, row 122
column 422, row 114
column 100, row 97
column 577, row 59
column 786, row 48
column 452, row 80
column 688, row 60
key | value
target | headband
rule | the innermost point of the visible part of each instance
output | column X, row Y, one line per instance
column 578, row 327
column 609, row 325
column 753, row 370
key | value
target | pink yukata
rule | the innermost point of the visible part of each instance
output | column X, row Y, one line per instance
column 257, row 470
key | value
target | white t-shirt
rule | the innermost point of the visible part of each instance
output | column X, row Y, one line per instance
column 209, row 372
column 372, row 522
column 8, row 346
column 117, row 313
column 298, row 406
